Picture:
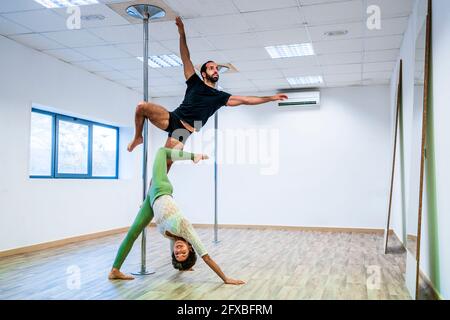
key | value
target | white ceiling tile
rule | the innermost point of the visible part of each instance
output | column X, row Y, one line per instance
column 271, row 88
column 194, row 45
column 246, row 90
column 201, row 57
column 236, row 84
column 246, row 54
column 296, row 62
column 386, row 75
column 124, row 63
column 235, row 41
column 113, row 75
column 382, row 55
column 172, row 72
column 343, row 68
column 394, row 26
column 136, row 49
column 111, row 18
column 343, row 84
column 18, row 5
column 257, row 5
column 68, row 55
column 391, row 8
column 233, row 90
column 379, row 66
column 285, row 36
column 176, row 79
column 139, row 74
column 75, row 38
column 374, row 82
column 383, row 43
column 120, row 34
column 199, row 8
column 37, row 41
column 226, row 24
column 332, row 13
column 262, row 74
column 254, row 65
column 275, row 82
column 165, row 81
column 338, row 46
column 274, row 19
column 178, row 88
column 330, row 78
column 8, row 27
column 341, row 58
column 167, row 30
column 92, row 66
column 228, row 78
column 316, row 2
column 303, row 71
column 103, row 52
column 129, row 83
column 38, row 20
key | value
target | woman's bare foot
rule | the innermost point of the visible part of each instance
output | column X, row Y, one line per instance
column 115, row 274
column 133, row 144
column 199, row 157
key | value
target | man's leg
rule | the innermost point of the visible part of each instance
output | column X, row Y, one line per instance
column 155, row 113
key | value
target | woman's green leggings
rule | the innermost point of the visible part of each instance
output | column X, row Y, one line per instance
column 143, row 218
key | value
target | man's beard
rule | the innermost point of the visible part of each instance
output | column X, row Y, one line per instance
column 212, row 79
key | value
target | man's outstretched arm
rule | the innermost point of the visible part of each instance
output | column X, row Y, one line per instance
column 184, row 51
column 234, row 101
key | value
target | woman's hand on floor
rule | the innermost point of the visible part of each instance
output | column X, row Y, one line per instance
column 233, row 281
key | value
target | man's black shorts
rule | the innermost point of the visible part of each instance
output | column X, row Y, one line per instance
column 176, row 129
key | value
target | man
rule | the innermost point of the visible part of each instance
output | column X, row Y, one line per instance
column 201, row 101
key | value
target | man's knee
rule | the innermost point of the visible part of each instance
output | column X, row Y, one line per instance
column 142, row 107
column 146, row 109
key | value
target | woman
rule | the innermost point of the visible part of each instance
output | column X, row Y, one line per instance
column 169, row 220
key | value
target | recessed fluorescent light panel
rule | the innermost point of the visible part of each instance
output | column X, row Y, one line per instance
column 51, row 4
column 163, row 61
column 308, row 80
column 290, row 50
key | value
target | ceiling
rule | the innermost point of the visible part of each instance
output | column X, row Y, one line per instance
column 227, row 31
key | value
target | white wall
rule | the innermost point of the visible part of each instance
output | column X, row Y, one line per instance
column 40, row 210
column 435, row 256
column 333, row 164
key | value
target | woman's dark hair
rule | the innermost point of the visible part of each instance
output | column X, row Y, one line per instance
column 203, row 68
column 186, row 264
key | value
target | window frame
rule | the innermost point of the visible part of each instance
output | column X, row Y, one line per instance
column 55, row 148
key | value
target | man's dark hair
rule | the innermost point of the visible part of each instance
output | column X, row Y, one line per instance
column 186, row 264
column 203, row 68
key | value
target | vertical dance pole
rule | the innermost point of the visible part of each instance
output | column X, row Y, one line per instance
column 222, row 69
column 216, row 126
column 145, row 12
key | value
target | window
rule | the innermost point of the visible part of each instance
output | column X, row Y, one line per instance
column 68, row 147
column 41, row 144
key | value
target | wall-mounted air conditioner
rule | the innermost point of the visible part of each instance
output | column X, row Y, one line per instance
column 301, row 99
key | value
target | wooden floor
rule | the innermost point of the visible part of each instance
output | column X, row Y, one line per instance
column 275, row 264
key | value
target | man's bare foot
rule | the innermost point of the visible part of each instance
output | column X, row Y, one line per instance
column 115, row 274
column 198, row 157
column 133, row 144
